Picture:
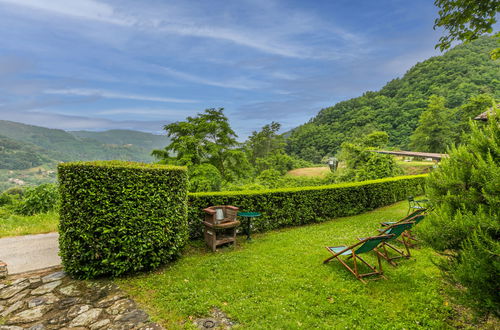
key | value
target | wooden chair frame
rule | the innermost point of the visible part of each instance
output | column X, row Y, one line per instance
column 404, row 239
column 355, row 257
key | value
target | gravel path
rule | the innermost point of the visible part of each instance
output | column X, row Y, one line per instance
column 30, row 252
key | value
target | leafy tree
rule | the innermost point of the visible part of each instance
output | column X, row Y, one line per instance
column 204, row 177
column 476, row 105
column 434, row 132
column 466, row 20
column 465, row 190
column 206, row 138
column 264, row 143
column 362, row 164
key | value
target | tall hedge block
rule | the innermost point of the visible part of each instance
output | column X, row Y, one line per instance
column 118, row 217
column 299, row 206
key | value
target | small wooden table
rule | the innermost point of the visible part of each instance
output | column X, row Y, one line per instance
column 248, row 216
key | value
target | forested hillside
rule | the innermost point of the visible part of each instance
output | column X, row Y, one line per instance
column 26, row 144
column 17, row 155
column 461, row 73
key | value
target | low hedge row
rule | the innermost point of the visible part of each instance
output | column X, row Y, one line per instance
column 299, row 206
column 117, row 217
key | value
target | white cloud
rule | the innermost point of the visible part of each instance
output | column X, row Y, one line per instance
column 274, row 38
column 240, row 83
column 115, row 95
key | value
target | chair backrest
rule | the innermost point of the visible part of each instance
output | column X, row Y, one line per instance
column 416, row 219
column 371, row 243
column 398, row 228
column 413, row 214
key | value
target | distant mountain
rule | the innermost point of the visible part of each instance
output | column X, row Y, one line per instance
column 125, row 137
column 464, row 71
column 53, row 145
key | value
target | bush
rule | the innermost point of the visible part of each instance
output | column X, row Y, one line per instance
column 299, row 206
column 466, row 192
column 39, row 199
column 118, row 217
column 5, row 199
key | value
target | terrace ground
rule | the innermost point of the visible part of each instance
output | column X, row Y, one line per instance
column 278, row 281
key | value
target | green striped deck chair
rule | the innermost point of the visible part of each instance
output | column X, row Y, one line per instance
column 364, row 245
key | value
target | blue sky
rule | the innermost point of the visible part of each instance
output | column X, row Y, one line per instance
column 103, row 64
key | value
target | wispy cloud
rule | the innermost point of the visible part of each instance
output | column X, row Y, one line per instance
column 275, row 39
column 240, row 83
column 116, row 95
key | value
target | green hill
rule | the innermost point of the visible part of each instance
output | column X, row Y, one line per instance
column 17, row 155
column 58, row 145
column 462, row 72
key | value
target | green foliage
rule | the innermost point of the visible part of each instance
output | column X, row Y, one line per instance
column 119, row 217
column 434, row 132
column 39, row 199
column 269, row 178
column 298, row 206
column 362, row 164
column 475, row 105
column 264, row 143
column 465, row 20
column 204, row 177
column 206, row 138
column 464, row 71
column 466, row 192
column 5, row 199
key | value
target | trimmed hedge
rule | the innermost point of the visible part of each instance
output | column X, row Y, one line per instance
column 117, row 217
column 299, row 206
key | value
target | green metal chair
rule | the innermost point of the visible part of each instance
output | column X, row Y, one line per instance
column 365, row 245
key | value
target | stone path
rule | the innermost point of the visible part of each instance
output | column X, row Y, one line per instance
column 30, row 252
column 52, row 300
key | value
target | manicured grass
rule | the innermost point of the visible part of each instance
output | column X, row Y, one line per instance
column 310, row 171
column 15, row 225
column 278, row 281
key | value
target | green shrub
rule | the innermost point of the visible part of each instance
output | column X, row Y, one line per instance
column 299, row 206
column 119, row 217
column 5, row 199
column 465, row 190
column 39, row 199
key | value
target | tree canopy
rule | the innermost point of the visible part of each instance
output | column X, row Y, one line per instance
column 466, row 20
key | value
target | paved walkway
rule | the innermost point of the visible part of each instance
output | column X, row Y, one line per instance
column 30, row 252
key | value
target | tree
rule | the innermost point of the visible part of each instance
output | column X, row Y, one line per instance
column 465, row 190
column 264, row 143
column 434, row 132
column 206, row 138
column 362, row 164
column 466, row 20
column 476, row 105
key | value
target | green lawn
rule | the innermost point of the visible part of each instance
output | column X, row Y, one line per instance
column 278, row 281
column 15, row 225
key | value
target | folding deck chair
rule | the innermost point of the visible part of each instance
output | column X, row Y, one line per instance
column 364, row 245
column 414, row 204
column 406, row 218
column 397, row 230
